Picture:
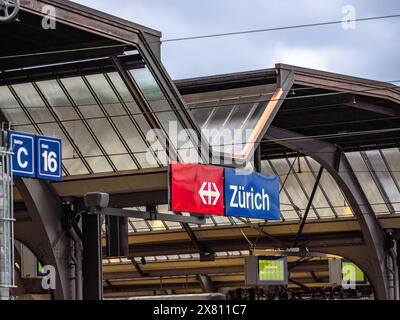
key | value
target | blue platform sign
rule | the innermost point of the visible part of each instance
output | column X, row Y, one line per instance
column 251, row 195
column 48, row 155
column 23, row 147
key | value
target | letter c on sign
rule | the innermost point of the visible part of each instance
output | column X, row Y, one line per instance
column 21, row 163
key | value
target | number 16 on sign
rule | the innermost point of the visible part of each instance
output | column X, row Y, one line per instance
column 49, row 158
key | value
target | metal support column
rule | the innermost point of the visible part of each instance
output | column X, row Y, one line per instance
column 117, row 236
column 335, row 162
column 257, row 159
column 92, row 257
column 6, row 227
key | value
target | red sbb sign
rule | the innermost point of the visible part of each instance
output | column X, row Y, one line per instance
column 197, row 189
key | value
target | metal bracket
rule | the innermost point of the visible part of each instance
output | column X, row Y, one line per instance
column 97, row 203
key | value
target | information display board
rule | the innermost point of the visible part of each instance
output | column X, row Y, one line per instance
column 266, row 270
column 351, row 273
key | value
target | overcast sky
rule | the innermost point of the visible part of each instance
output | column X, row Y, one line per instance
column 370, row 50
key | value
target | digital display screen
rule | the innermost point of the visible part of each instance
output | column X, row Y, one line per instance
column 272, row 270
column 351, row 273
column 39, row 269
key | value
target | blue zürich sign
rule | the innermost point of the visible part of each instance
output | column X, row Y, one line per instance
column 251, row 195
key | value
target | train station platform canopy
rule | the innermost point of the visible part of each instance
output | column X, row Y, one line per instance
column 97, row 82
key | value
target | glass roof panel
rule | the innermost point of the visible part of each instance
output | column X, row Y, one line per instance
column 107, row 136
column 130, row 133
column 57, row 99
column 292, row 186
column 99, row 164
column 367, row 183
column 385, row 178
column 320, row 202
column 33, row 102
column 82, row 138
column 392, row 158
column 82, row 97
column 228, row 117
column 105, row 94
column 335, row 196
column 123, row 162
column 75, row 166
column 54, row 130
column 11, row 108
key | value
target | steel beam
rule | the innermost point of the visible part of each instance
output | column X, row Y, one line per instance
column 92, row 257
column 375, row 108
column 205, row 283
column 314, row 242
column 138, row 268
column 44, row 234
column 336, row 163
column 58, row 57
column 152, row 216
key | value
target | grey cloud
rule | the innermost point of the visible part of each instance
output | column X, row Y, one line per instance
column 371, row 50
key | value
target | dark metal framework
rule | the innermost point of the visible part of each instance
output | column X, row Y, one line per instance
column 107, row 57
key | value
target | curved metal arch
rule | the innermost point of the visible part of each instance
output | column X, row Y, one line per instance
column 335, row 162
column 44, row 233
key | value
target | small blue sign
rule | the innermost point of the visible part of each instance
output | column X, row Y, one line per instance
column 23, row 147
column 251, row 195
column 48, row 155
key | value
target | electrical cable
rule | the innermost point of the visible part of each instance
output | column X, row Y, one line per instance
column 298, row 26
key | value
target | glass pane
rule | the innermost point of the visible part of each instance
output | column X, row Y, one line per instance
column 75, row 166
column 392, row 157
column 201, row 114
column 140, row 225
column 54, row 130
column 385, row 178
column 82, row 138
column 157, row 101
column 82, row 97
column 11, row 109
column 367, row 183
column 107, row 136
column 221, row 220
column 130, row 134
column 332, row 191
column 292, row 186
column 106, row 95
column 99, row 164
column 121, row 87
column 287, row 209
column 157, row 225
column 57, row 99
column 123, row 162
column 148, row 86
column 319, row 202
column 32, row 101
column 146, row 160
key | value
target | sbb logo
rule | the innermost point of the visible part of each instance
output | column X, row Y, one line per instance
column 210, row 195
column 197, row 189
